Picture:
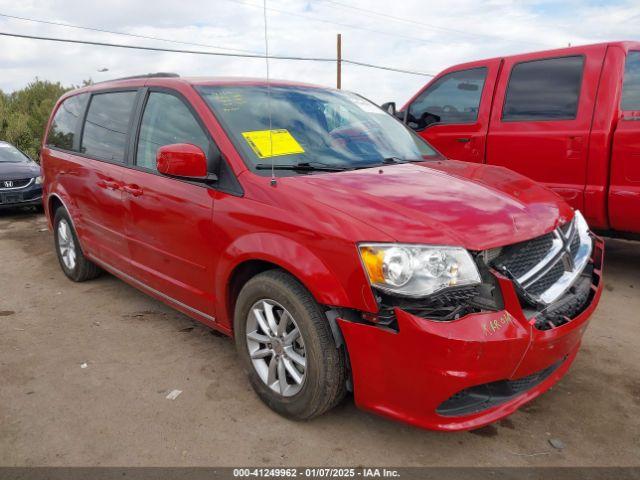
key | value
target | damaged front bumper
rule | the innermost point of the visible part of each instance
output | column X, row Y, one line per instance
column 465, row 373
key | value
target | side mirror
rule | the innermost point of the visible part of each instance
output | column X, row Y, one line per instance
column 183, row 160
column 389, row 107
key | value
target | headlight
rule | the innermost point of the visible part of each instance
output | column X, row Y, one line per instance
column 417, row 270
column 39, row 180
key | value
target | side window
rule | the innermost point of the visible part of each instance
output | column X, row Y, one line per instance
column 631, row 86
column 166, row 120
column 453, row 98
column 546, row 89
column 107, row 124
column 65, row 122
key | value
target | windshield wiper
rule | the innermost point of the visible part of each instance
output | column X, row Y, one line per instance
column 302, row 167
column 394, row 160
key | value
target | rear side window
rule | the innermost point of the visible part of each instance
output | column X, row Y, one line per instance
column 166, row 120
column 66, row 121
column 107, row 124
column 631, row 87
column 546, row 89
column 453, row 98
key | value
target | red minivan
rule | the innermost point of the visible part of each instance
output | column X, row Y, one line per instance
column 339, row 249
column 567, row 118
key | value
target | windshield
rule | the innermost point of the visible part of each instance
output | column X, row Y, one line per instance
column 9, row 153
column 311, row 126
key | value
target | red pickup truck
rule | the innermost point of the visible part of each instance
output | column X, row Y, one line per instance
column 567, row 118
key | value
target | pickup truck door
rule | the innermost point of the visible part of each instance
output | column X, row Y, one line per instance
column 541, row 117
column 452, row 111
column 624, row 189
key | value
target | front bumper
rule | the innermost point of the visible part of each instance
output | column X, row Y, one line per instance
column 21, row 197
column 408, row 375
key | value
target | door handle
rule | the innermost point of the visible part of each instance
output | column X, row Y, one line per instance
column 109, row 184
column 463, row 139
column 134, row 190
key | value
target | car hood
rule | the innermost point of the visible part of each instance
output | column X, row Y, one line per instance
column 16, row 170
column 440, row 202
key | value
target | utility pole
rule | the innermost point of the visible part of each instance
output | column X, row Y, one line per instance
column 339, row 62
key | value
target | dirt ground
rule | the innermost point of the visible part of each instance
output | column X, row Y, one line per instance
column 136, row 349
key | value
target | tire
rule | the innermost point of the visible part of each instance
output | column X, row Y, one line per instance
column 324, row 382
column 77, row 268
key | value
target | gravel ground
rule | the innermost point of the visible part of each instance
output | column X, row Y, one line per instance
column 137, row 350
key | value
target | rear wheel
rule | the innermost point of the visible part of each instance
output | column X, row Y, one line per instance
column 287, row 347
column 73, row 262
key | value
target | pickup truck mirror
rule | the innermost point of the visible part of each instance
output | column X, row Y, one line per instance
column 389, row 107
column 183, row 160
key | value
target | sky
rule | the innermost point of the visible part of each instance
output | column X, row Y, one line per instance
column 419, row 35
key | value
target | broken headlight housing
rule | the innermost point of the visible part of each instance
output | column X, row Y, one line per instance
column 417, row 271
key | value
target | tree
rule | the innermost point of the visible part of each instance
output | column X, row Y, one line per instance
column 24, row 114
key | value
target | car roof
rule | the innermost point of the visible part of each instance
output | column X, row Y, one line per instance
column 167, row 80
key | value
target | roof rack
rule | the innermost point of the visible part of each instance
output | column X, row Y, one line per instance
column 146, row 75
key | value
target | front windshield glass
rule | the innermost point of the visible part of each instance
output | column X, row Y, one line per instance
column 8, row 153
column 323, row 128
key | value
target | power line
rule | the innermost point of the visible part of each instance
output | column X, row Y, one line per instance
column 101, row 30
column 391, row 69
column 400, row 19
column 158, row 49
column 420, row 24
column 346, row 25
column 82, row 27
column 217, row 54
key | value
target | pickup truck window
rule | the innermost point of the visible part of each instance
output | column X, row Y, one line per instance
column 546, row 89
column 631, row 87
column 65, row 122
column 453, row 98
column 105, row 129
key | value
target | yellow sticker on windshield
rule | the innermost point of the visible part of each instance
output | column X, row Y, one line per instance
column 272, row 143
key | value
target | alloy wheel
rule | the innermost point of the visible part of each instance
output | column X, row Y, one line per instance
column 66, row 244
column 276, row 347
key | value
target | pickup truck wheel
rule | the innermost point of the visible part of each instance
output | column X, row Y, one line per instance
column 287, row 347
column 73, row 262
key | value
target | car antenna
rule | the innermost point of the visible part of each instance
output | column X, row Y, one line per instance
column 266, row 57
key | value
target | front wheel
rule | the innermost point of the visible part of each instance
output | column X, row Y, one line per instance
column 287, row 347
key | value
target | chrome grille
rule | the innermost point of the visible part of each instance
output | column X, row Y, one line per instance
column 521, row 257
column 545, row 282
column 13, row 184
column 544, row 268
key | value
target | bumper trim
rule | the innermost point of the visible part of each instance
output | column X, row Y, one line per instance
column 34, row 202
column 483, row 397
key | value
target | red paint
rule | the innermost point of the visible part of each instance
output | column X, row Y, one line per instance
column 405, row 375
column 182, row 160
column 591, row 161
column 182, row 242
